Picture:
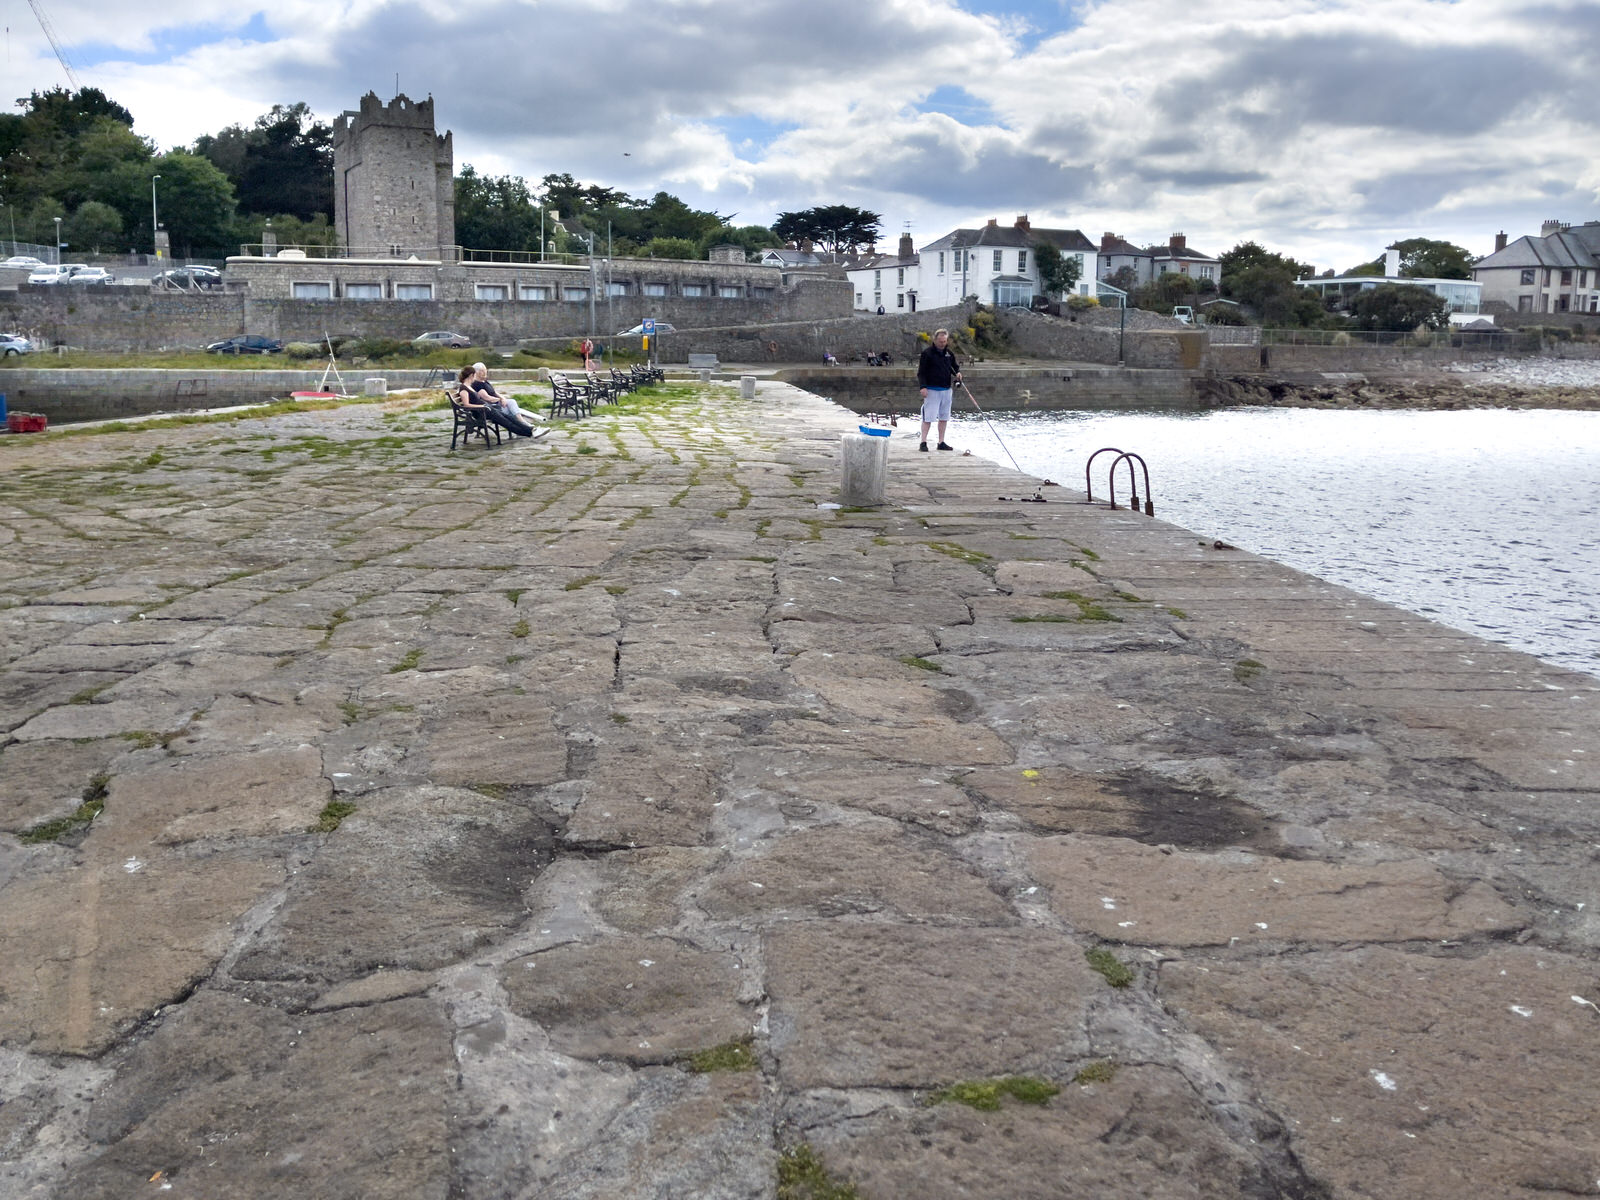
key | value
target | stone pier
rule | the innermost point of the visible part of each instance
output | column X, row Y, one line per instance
column 615, row 816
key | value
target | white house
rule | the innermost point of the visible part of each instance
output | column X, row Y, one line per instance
column 998, row 264
column 886, row 281
column 1558, row 271
column 1151, row 261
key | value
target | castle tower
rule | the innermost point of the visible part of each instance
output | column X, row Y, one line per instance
column 394, row 181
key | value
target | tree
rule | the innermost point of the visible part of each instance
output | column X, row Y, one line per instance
column 93, row 227
column 1058, row 274
column 834, row 227
column 1265, row 281
column 753, row 239
column 1424, row 258
column 283, row 163
column 1398, row 306
column 197, row 205
column 667, row 247
column 1124, row 279
column 495, row 212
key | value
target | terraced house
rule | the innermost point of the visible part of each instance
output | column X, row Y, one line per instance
column 1556, row 272
column 997, row 263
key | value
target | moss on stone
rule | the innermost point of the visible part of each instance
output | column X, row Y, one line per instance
column 94, row 800
column 333, row 812
column 1096, row 1072
column 730, row 1056
column 985, row 1094
column 1115, row 972
column 801, row 1176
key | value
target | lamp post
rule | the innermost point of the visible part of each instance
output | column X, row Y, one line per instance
column 155, row 223
column 58, row 241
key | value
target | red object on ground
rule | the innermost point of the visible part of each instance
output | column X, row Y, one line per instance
column 21, row 422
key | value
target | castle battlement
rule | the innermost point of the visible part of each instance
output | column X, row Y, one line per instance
column 394, row 177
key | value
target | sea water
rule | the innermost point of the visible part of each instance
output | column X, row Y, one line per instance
column 1485, row 519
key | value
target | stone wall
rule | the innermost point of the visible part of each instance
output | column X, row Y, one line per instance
column 1004, row 389
column 1037, row 335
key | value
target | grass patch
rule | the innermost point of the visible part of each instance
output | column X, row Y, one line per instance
column 921, row 664
column 801, row 1176
column 408, row 663
column 1247, row 669
column 1111, row 968
column 620, row 718
column 1097, row 1072
column 94, row 800
column 1088, row 610
column 521, row 629
column 959, row 553
column 730, row 1056
column 985, row 1094
column 1177, row 612
column 615, row 589
column 1128, row 596
column 514, row 594
column 495, row 791
column 333, row 812
column 582, row 581
column 351, row 711
column 585, row 448
column 89, row 693
column 1088, row 553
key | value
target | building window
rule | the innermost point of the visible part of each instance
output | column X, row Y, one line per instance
column 313, row 291
column 941, row 262
column 1525, row 303
column 765, row 293
column 535, row 291
column 1583, row 279
column 616, row 289
column 900, row 276
column 728, row 292
column 900, row 300
column 1022, row 262
column 859, row 304
column 574, row 293
column 413, row 291
column 1547, row 280
column 877, row 280
column 1528, row 278
column 654, row 289
column 997, row 255
column 1009, row 294
column 694, row 289
column 363, row 291
column 1205, row 272
column 491, row 291
column 1566, row 279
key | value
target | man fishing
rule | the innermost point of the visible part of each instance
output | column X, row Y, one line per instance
column 937, row 374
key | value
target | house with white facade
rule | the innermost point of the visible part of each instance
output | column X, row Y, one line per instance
column 886, row 281
column 1116, row 253
column 1556, row 272
column 1461, row 296
column 997, row 264
column 1149, row 262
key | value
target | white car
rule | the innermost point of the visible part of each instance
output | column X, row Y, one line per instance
column 23, row 260
column 91, row 275
column 59, row 273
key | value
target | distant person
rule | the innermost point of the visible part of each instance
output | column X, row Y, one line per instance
column 502, row 410
column 880, row 310
column 829, row 359
column 587, row 349
column 937, row 373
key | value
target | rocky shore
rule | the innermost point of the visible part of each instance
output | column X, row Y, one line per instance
column 1502, row 383
column 615, row 816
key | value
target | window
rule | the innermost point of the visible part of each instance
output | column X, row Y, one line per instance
column 491, row 291
column 730, row 292
column 616, row 289
column 858, row 300
column 1528, row 278
column 1525, row 303
column 997, row 255
column 877, row 280
column 654, row 289
column 574, row 293
column 1566, row 279
column 413, row 291
column 694, row 289
column 313, row 291
column 900, row 276
column 1547, row 280
column 536, row 291
column 765, row 293
column 900, row 300
column 1006, row 294
column 941, row 262
column 1205, row 272
column 1022, row 262
column 363, row 291
column 1562, row 302
column 1583, row 279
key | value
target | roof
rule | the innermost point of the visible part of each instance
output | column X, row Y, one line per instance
column 1000, row 237
column 1186, row 254
column 880, row 262
column 1124, row 247
column 1579, row 247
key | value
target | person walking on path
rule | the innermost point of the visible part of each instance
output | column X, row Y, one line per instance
column 588, row 354
column 937, row 373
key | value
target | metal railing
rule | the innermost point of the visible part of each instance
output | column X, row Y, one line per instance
column 1123, row 456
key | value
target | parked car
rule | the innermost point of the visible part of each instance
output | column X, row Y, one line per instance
column 638, row 330
column 59, row 273
column 245, row 343
column 91, row 275
column 14, row 343
column 189, row 277
column 23, row 260
column 442, row 338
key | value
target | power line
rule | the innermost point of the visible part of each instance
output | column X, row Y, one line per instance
column 61, row 55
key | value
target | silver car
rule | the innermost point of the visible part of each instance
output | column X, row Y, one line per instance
column 14, row 343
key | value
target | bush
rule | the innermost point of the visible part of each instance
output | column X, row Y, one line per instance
column 378, row 347
column 303, row 350
column 1079, row 303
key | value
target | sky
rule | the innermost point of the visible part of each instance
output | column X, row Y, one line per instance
column 1322, row 129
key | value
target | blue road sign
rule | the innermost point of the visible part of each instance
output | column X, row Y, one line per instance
column 649, row 327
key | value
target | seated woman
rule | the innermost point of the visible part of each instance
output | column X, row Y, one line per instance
column 502, row 410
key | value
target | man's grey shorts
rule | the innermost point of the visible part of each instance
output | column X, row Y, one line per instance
column 937, row 405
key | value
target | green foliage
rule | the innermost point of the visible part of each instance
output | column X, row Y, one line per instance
column 496, row 212
column 1398, row 306
column 985, row 1094
column 377, row 347
column 94, row 801
column 1080, row 303
column 281, row 164
column 669, row 247
column 1096, row 1072
column 832, row 227
column 332, row 814
column 1057, row 273
column 801, row 1176
column 1423, row 258
column 1162, row 292
column 1265, row 282
column 730, row 1056
column 197, row 205
column 94, row 227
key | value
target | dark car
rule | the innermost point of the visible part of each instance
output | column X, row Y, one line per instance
column 441, row 337
column 245, row 343
column 189, row 277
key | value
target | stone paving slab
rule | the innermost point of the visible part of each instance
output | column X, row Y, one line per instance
column 532, row 823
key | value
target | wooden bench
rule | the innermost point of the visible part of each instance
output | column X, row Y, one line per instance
column 470, row 421
column 570, row 398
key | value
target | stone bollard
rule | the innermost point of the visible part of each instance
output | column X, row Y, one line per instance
column 865, row 463
column 375, row 385
column 747, row 387
column 705, row 376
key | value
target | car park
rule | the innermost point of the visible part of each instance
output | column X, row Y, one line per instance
column 23, row 260
column 196, row 276
column 58, row 273
column 87, row 275
column 245, row 343
column 442, row 338
column 13, row 344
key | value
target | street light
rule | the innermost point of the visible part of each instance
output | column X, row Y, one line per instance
column 58, row 241
column 155, row 223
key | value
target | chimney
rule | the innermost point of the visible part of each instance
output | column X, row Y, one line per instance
column 1178, row 243
column 1105, row 242
column 1550, row 227
column 1500, row 241
column 1391, row 263
column 994, row 222
column 907, row 249
column 1022, row 223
